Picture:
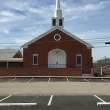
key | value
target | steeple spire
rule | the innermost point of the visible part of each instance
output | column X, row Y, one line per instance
column 57, row 20
column 58, row 11
column 58, row 4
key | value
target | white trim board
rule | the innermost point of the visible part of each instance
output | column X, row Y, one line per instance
column 33, row 59
column 77, row 60
column 53, row 29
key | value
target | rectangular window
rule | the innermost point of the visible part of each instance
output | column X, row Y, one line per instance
column 79, row 60
column 54, row 22
column 60, row 22
column 35, row 59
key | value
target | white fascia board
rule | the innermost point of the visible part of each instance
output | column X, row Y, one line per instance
column 77, row 38
column 37, row 38
column 53, row 29
column 12, row 60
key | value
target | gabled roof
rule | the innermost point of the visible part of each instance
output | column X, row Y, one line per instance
column 53, row 29
column 8, row 54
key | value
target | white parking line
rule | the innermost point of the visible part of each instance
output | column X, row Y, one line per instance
column 99, row 98
column 50, row 100
column 49, row 79
column 105, row 80
column 18, row 104
column 67, row 79
column 101, row 103
column 30, row 80
column 5, row 98
column 12, row 80
column 86, row 80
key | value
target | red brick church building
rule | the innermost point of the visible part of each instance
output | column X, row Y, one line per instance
column 58, row 49
column 57, row 52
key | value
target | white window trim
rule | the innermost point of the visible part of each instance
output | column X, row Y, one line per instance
column 58, row 39
column 33, row 59
column 76, row 59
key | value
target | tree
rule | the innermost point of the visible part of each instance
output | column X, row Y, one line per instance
column 100, row 63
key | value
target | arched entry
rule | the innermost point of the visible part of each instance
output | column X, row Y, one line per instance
column 57, row 59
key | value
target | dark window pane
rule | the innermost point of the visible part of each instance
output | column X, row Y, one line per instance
column 54, row 22
column 78, row 60
column 35, row 59
column 60, row 22
column 57, row 37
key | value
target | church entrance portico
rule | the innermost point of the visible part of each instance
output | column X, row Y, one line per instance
column 57, row 59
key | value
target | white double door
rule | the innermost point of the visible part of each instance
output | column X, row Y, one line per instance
column 57, row 59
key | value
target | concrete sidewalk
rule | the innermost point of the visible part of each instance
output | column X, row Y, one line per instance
column 55, row 88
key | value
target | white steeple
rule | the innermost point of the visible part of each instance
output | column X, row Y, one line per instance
column 57, row 20
column 57, row 4
column 58, row 11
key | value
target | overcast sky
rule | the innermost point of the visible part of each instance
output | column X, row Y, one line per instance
column 23, row 20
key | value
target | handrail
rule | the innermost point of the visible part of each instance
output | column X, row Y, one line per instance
column 56, row 65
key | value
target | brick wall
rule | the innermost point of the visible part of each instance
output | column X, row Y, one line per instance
column 11, row 64
column 71, row 47
column 18, row 55
column 32, row 71
column 15, row 64
column 3, row 64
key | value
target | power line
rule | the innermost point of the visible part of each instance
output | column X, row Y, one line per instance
column 14, row 44
column 10, row 43
column 63, row 41
column 98, row 38
column 93, row 47
column 41, row 32
column 42, row 42
column 101, row 46
column 83, row 29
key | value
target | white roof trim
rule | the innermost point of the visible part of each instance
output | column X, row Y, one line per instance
column 37, row 38
column 78, row 39
column 53, row 29
column 12, row 60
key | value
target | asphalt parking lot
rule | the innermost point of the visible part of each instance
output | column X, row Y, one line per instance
column 21, row 101
column 53, row 103
column 51, row 79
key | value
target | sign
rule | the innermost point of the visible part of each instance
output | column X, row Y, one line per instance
column 105, row 70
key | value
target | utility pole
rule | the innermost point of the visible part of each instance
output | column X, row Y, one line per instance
column 105, row 56
column 105, row 60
